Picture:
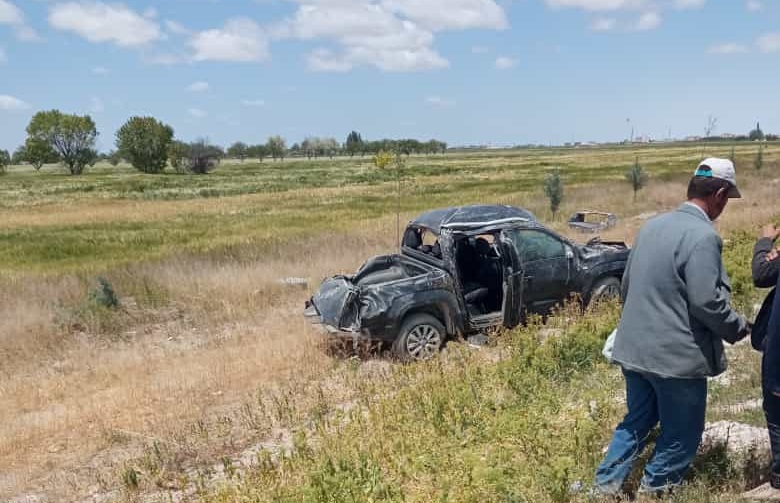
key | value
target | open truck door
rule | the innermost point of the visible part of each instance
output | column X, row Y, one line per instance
column 514, row 280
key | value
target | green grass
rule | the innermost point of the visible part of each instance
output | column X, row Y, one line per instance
column 458, row 429
column 256, row 204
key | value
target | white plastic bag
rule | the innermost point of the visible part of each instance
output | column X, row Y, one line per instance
column 608, row 346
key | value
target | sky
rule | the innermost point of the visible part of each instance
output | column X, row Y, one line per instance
column 498, row 72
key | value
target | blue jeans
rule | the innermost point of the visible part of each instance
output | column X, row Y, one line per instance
column 679, row 405
column 772, row 414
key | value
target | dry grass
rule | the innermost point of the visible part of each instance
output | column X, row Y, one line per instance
column 202, row 334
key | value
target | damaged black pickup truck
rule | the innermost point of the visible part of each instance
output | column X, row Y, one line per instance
column 460, row 271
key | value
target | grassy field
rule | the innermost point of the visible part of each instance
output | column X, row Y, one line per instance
column 208, row 355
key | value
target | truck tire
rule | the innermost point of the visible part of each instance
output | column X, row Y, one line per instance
column 606, row 288
column 421, row 338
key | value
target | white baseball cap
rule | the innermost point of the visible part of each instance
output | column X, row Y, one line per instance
column 715, row 167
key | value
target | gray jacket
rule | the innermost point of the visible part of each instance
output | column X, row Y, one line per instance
column 676, row 300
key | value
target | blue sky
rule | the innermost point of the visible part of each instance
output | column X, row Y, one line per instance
column 464, row 71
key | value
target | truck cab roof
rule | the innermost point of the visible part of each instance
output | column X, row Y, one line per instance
column 471, row 217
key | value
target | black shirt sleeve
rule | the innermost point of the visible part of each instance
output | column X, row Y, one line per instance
column 765, row 273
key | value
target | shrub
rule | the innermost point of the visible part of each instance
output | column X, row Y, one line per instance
column 144, row 142
column 637, row 177
column 103, row 294
column 202, row 157
column 553, row 189
column 5, row 160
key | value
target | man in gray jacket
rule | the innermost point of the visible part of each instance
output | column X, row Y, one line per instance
column 676, row 314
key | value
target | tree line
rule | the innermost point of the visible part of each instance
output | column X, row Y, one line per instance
column 149, row 145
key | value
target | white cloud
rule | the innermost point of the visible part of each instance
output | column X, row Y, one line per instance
column 177, row 28
column 253, row 103
column 198, row 87
column 450, row 14
column 603, row 24
column 598, row 5
column 504, row 63
column 728, row 48
column 11, row 103
column 754, row 5
column 101, row 70
column 392, row 35
column 150, row 13
column 390, row 60
column 438, row 101
column 240, row 40
column 11, row 15
column 769, row 42
column 96, row 105
column 324, row 60
column 27, row 34
column 689, row 4
column 197, row 113
column 101, row 22
column 648, row 21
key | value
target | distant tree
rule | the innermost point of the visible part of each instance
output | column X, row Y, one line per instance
column 309, row 147
column 637, row 177
column 258, row 152
column 38, row 152
column 759, row 162
column 5, row 161
column 277, row 147
column 382, row 160
column 113, row 157
column 217, row 151
column 202, row 157
column 178, row 152
column 19, row 156
column 553, row 189
column 330, row 147
column 408, row 146
column 72, row 137
column 239, row 150
column 144, row 142
column 354, row 143
column 756, row 134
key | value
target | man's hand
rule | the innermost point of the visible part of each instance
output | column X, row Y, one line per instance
column 770, row 231
column 745, row 331
column 773, row 254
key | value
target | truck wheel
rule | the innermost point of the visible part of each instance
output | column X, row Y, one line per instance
column 421, row 338
column 606, row 288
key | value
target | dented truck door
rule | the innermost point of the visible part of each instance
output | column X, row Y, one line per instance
column 513, row 283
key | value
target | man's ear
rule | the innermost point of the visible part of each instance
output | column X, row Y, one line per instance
column 722, row 193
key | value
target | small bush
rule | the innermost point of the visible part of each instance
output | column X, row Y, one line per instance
column 103, row 294
column 553, row 189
